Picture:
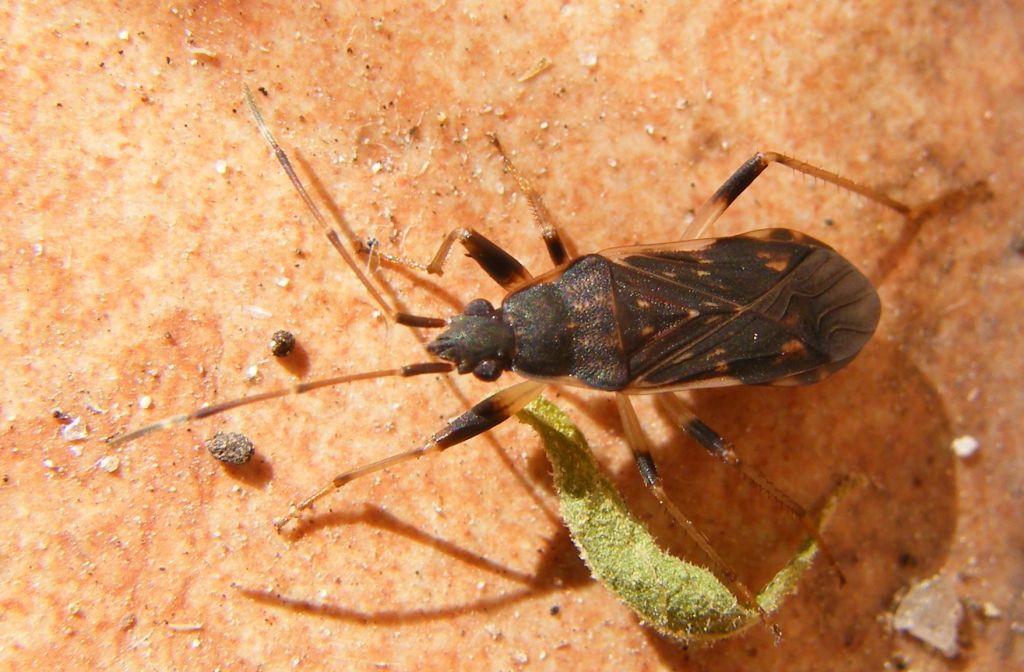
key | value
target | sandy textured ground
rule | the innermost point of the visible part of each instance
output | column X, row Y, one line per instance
column 147, row 235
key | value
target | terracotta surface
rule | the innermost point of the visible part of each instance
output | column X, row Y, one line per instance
column 138, row 265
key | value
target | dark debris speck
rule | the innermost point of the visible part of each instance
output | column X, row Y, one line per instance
column 230, row 447
column 282, row 343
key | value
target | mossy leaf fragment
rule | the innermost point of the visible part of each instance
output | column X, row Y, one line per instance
column 682, row 600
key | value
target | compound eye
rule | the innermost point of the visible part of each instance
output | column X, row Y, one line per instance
column 479, row 308
column 488, row 370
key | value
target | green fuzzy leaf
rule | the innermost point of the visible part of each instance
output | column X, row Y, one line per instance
column 679, row 599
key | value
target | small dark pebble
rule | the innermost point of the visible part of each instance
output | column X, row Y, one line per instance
column 230, row 447
column 555, row 609
column 282, row 343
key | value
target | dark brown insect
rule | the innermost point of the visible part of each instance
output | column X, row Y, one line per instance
column 770, row 307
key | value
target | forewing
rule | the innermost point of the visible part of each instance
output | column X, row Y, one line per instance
column 770, row 306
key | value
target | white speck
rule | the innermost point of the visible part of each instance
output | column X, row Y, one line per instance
column 520, row 658
column 145, row 402
column 74, row 431
column 681, row 103
column 613, row 163
column 257, row 311
column 37, row 249
column 989, row 610
column 965, row 446
column 543, row 125
column 481, row 585
column 123, row 34
column 649, row 129
column 252, row 372
column 221, row 166
column 281, row 281
column 200, row 53
column 48, row 464
column 75, row 450
column 376, row 167
column 108, row 463
column 588, row 58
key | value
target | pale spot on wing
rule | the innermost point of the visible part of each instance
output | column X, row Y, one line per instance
column 774, row 262
column 793, row 346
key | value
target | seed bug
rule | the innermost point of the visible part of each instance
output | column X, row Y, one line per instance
column 768, row 307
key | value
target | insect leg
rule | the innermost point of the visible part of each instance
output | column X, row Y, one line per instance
column 496, row 262
column 556, row 248
column 721, row 448
column 485, row 415
column 641, row 447
column 503, row 268
column 748, row 172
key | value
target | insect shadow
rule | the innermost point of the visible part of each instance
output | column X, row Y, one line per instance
column 768, row 307
column 553, row 574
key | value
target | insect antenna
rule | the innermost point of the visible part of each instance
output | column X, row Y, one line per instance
column 332, row 233
column 405, row 319
column 298, row 388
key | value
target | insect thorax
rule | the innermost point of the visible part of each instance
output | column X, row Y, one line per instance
column 565, row 327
